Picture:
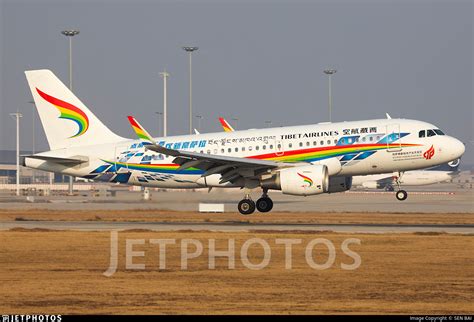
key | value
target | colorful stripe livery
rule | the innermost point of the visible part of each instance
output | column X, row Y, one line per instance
column 306, row 179
column 160, row 168
column 68, row 112
column 226, row 125
column 142, row 134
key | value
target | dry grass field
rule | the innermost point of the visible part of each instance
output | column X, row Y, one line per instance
column 233, row 217
column 62, row 272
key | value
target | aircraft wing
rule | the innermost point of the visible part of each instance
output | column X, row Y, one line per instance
column 231, row 168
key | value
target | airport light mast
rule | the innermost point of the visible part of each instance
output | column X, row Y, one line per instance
column 236, row 120
column 199, row 117
column 17, row 116
column 330, row 72
column 70, row 33
column 165, row 76
column 190, row 51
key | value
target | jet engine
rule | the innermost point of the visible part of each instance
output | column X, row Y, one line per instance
column 339, row 184
column 300, row 181
column 371, row 185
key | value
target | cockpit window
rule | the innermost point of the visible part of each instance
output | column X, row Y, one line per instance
column 430, row 133
column 422, row 134
column 439, row 132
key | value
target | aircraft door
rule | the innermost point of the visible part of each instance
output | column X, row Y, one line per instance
column 392, row 138
column 279, row 147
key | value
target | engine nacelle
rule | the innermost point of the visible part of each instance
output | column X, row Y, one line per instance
column 371, row 185
column 339, row 184
column 299, row 181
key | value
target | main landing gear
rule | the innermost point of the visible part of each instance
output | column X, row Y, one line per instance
column 400, row 194
column 247, row 205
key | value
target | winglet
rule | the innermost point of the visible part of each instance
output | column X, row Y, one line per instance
column 142, row 134
column 226, row 125
column 388, row 116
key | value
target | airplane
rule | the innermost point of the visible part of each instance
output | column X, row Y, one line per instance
column 437, row 174
column 441, row 173
column 300, row 160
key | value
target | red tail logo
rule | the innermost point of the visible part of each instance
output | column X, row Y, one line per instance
column 429, row 153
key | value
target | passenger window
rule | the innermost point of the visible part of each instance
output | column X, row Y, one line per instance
column 301, row 144
column 315, row 143
column 329, row 142
column 229, row 150
column 363, row 139
column 264, row 147
column 222, row 150
column 250, row 148
column 236, row 149
column 371, row 138
column 257, row 147
column 430, row 133
column 290, row 145
column 271, row 146
column 243, row 148
column 378, row 137
column 308, row 143
column 208, row 151
column 322, row 142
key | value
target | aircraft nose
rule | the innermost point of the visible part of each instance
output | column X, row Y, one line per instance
column 456, row 148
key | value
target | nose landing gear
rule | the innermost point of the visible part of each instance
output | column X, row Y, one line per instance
column 400, row 194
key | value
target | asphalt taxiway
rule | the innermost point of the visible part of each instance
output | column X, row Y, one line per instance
column 237, row 227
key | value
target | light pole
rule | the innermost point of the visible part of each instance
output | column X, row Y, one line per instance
column 33, row 142
column 199, row 117
column 160, row 115
column 70, row 33
column 235, row 119
column 190, row 51
column 165, row 76
column 330, row 72
column 17, row 116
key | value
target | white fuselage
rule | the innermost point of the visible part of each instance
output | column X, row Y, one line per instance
column 362, row 147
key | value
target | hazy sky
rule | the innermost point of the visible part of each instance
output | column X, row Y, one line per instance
column 257, row 61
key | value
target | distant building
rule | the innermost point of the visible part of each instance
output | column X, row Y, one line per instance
column 27, row 175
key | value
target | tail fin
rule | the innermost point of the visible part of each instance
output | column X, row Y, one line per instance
column 67, row 122
column 226, row 125
column 142, row 134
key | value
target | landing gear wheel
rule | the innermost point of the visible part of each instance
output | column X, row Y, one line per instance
column 246, row 206
column 401, row 195
column 264, row 204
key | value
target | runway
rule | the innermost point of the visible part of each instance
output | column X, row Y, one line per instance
column 237, row 227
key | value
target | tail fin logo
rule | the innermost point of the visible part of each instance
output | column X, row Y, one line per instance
column 68, row 112
column 429, row 153
column 225, row 125
column 306, row 179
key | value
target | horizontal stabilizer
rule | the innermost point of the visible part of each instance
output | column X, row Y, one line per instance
column 64, row 161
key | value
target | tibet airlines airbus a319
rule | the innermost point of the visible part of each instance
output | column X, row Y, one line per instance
column 298, row 160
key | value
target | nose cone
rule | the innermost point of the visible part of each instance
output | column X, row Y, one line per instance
column 456, row 148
